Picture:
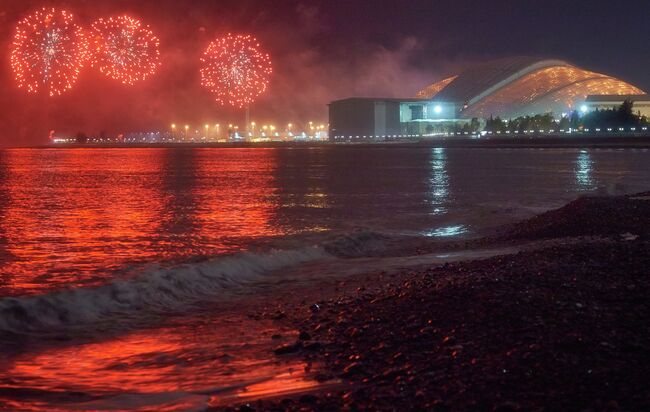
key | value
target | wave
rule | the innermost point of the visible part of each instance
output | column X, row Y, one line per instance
column 159, row 291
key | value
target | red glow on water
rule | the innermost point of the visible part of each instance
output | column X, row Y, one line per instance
column 191, row 363
column 98, row 211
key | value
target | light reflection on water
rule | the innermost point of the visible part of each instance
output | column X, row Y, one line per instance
column 439, row 181
column 584, row 171
column 72, row 217
column 447, row 231
column 81, row 217
column 192, row 362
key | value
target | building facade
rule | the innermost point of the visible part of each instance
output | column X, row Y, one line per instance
column 379, row 119
column 523, row 86
column 506, row 88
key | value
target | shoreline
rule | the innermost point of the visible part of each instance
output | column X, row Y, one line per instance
column 549, row 313
column 501, row 142
column 562, row 327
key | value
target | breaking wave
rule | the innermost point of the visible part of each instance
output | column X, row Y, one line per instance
column 160, row 291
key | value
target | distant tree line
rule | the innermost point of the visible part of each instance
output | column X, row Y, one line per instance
column 537, row 122
column 473, row 126
column 623, row 116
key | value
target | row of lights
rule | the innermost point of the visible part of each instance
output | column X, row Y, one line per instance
column 207, row 127
column 609, row 129
column 253, row 124
column 377, row 137
column 620, row 129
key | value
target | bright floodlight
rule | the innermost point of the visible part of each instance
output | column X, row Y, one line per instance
column 584, row 109
column 437, row 109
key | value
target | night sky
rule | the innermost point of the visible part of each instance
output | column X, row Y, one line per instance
column 322, row 50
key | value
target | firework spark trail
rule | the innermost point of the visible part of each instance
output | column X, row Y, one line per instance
column 235, row 70
column 48, row 51
column 124, row 49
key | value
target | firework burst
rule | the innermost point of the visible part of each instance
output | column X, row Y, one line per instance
column 235, row 70
column 48, row 51
column 124, row 49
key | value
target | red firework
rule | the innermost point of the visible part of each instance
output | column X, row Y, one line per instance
column 48, row 51
column 124, row 49
column 235, row 70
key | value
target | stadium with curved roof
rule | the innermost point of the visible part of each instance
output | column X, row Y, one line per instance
column 520, row 86
column 506, row 88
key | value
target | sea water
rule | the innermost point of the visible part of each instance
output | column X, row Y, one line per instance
column 126, row 275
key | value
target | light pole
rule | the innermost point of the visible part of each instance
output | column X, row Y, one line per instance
column 248, row 118
column 187, row 127
column 173, row 131
column 288, row 133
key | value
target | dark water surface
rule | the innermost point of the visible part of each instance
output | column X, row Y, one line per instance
column 100, row 247
column 76, row 217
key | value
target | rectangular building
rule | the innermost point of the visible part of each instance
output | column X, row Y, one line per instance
column 364, row 118
column 380, row 119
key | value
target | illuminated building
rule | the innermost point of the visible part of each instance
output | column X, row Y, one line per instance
column 521, row 86
column 388, row 119
column 508, row 88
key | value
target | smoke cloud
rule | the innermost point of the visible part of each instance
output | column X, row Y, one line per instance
column 311, row 68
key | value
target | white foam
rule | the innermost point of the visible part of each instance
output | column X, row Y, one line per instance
column 154, row 291
column 159, row 291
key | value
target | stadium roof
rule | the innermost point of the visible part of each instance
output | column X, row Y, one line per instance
column 517, row 86
column 620, row 98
